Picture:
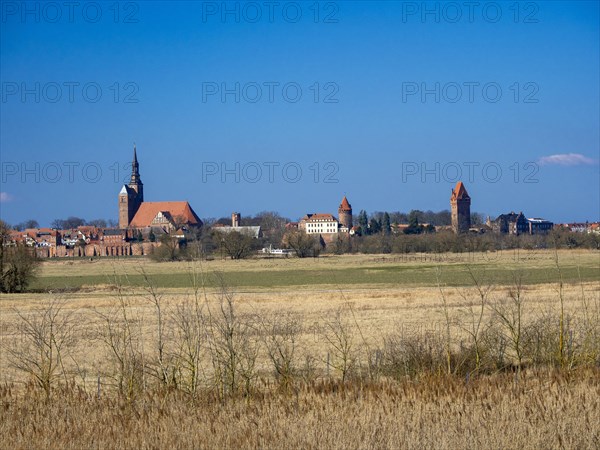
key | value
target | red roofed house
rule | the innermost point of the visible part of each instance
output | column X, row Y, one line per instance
column 135, row 213
column 319, row 224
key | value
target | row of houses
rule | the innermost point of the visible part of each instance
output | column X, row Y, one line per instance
column 80, row 236
column 81, row 241
column 582, row 227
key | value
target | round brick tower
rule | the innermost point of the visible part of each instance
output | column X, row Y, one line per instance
column 345, row 213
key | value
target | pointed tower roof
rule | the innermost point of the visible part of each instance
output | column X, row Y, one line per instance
column 135, row 169
column 345, row 205
column 460, row 192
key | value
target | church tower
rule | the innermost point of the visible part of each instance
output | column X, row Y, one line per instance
column 131, row 195
column 461, row 209
column 345, row 213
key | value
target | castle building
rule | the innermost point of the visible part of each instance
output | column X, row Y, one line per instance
column 135, row 213
column 345, row 214
column 511, row 223
column 461, row 209
column 517, row 224
column 319, row 224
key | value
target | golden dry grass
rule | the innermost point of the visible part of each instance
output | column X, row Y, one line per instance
column 374, row 312
column 542, row 411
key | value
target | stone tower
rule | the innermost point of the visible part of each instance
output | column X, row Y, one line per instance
column 461, row 209
column 345, row 213
column 131, row 195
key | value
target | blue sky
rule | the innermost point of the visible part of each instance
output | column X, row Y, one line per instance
column 380, row 101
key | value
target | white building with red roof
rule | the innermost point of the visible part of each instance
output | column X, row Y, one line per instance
column 319, row 223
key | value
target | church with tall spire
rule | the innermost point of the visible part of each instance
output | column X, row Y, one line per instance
column 131, row 196
column 135, row 213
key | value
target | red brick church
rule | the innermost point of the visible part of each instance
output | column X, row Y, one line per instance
column 135, row 213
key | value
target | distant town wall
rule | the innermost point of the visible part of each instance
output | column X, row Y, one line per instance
column 96, row 250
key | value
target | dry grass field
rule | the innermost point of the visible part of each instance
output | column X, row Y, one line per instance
column 353, row 351
column 544, row 411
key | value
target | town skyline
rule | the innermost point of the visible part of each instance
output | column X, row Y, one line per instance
column 164, row 229
column 131, row 200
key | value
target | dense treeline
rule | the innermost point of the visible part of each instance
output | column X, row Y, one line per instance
column 447, row 241
column 71, row 222
column 209, row 244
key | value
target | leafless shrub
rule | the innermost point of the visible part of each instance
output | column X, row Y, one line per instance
column 161, row 362
column 342, row 348
column 123, row 341
column 45, row 337
column 508, row 311
column 414, row 355
column 191, row 337
column 232, row 344
column 447, row 335
column 475, row 313
column 280, row 337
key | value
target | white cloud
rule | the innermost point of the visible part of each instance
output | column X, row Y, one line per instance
column 5, row 197
column 567, row 159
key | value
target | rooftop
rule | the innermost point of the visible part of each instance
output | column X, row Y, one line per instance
column 181, row 212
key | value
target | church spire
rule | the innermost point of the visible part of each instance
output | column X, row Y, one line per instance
column 135, row 168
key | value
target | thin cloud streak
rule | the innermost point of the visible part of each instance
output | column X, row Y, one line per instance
column 567, row 159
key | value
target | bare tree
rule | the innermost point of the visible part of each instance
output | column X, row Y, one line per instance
column 162, row 361
column 280, row 335
column 303, row 244
column 168, row 250
column 339, row 337
column 448, row 341
column 233, row 350
column 47, row 334
column 188, row 321
column 561, row 305
column 123, row 342
column 237, row 245
column 509, row 310
column 475, row 313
